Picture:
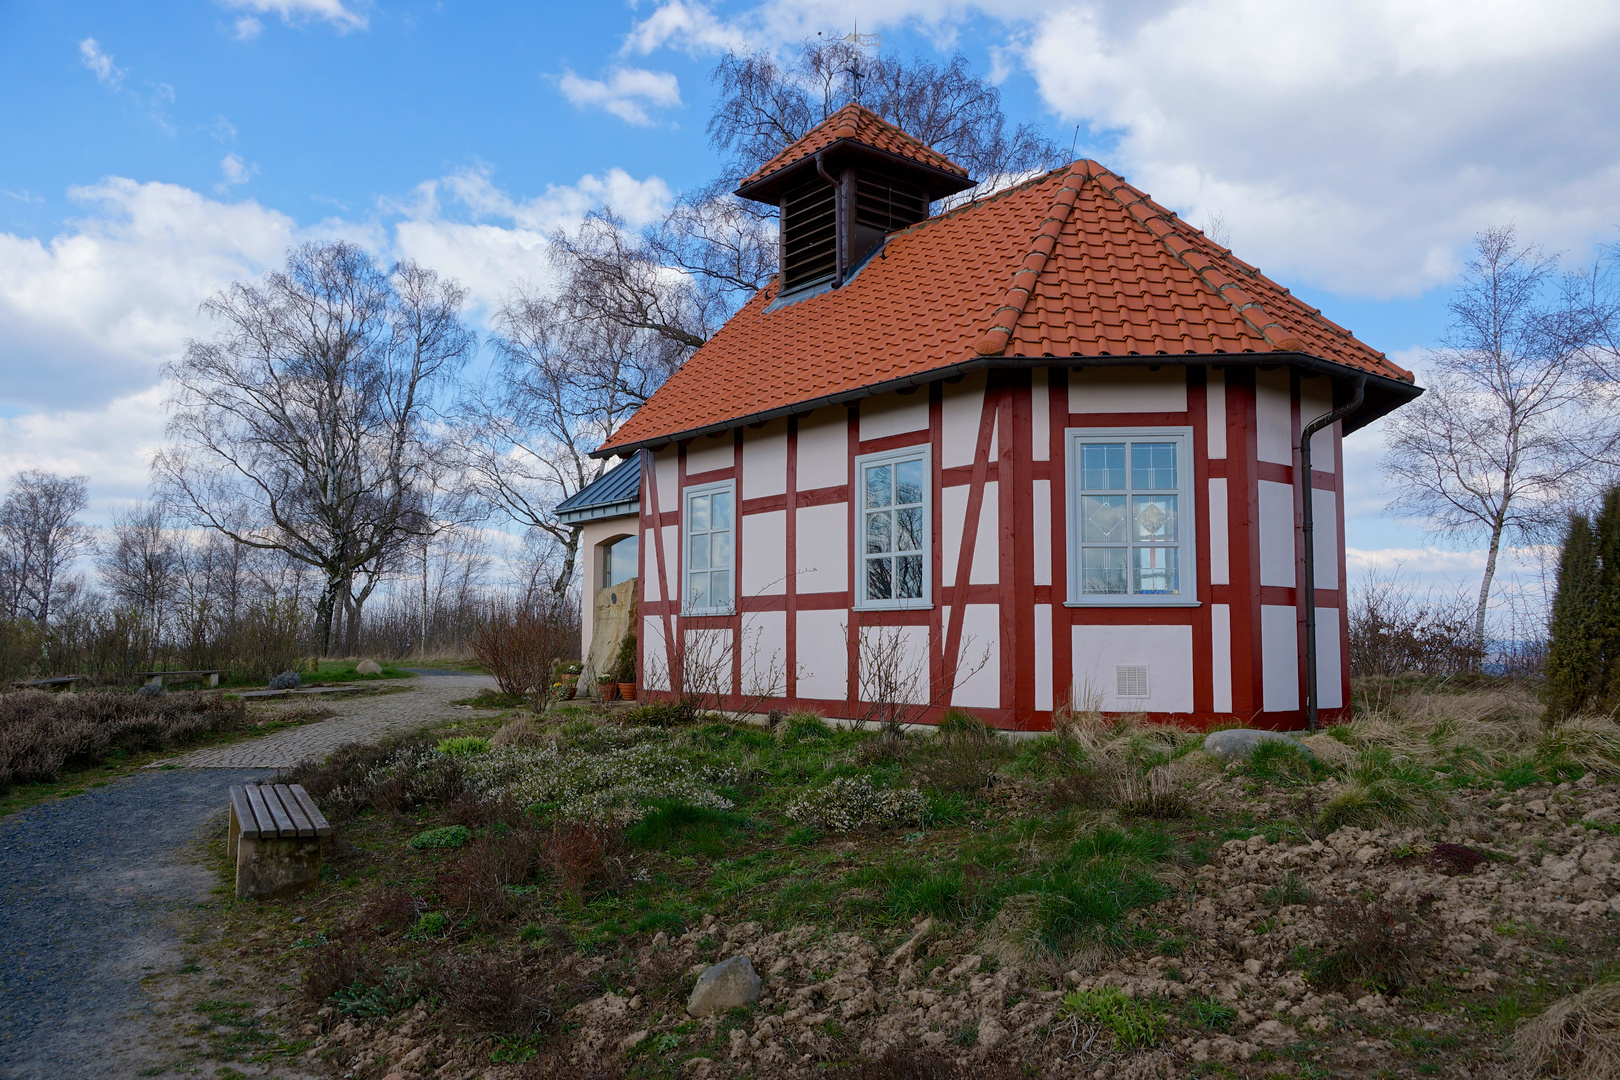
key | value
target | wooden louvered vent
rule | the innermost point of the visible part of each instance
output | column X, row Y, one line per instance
column 809, row 235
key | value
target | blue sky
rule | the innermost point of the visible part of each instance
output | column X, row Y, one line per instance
column 157, row 151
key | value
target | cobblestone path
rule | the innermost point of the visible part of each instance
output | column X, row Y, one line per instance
column 361, row 719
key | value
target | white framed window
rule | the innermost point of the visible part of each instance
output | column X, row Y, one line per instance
column 1131, row 517
column 709, row 524
column 894, row 502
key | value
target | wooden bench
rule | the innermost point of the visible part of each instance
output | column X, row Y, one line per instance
column 155, row 678
column 275, row 837
column 48, row 684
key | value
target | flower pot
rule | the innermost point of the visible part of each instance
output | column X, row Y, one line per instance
column 609, row 690
column 627, row 690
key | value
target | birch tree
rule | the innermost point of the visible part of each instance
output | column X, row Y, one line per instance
column 40, row 536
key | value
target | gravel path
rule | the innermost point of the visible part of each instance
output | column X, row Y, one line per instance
column 100, row 891
column 361, row 719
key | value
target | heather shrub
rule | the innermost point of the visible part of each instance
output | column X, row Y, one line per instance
column 597, row 781
column 852, row 802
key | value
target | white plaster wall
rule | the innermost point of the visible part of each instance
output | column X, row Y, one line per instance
column 1110, row 390
column 1166, row 650
column 1220, row 534
column 707, row 663
column 672, row 562
column 959, row 421
column 1043, row 657
column 1040, row 416
column 1215, row 404
column 1316, row 398
column 953, row 519
column 823, row 655
column 764, row 654
column 1276, row 534
column 912, row 669
column 1330, row 693
column 894, row 414
column 822, row 535
column 978, row 672
column 709, row 452
column 1279, row 658
column 1325, row 532
column 666, row 470
column 764, row 553
column 1273, row 411
column 1042, row 516
column 1220, row 625
column 649, row 576
column 765, row 461
column 823, row 450
column 654, row 663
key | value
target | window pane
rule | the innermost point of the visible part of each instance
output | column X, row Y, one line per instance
column 1155, row 570
column 722, row 509
column 878, row 584
column 697, row 552
column 1153, row 466
column 1102, row 570
column 698, row 518
column 720, row 550
column 1155, row 517
column 909, row 535
column 720, row 589
column 1102, row 466
column 908, row 482
column 1102, row 518
column 622, row 560
column 908, row 577
column 879, row 479
column 698, row 591
column 879, row 532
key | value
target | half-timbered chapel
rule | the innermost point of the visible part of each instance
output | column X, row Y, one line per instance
column 1046, row 446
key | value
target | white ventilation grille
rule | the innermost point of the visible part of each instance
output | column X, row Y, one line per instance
column 1131, row 680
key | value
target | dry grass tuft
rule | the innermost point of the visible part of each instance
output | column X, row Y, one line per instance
column 519, row 732
column 1576, row 1037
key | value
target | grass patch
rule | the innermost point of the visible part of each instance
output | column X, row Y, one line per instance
column 676, row 826
column 1136, row 1023
column 446, row 838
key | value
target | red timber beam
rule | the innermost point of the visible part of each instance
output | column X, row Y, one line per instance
column 1015, row 520
column 1057, row 404
column 1243, row 523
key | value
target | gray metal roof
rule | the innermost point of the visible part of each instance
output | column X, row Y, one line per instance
column 616, row 493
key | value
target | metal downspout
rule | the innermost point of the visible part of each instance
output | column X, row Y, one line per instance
column 838, row 221
column 1308, row 527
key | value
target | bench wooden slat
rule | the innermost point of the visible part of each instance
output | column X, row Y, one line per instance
column 301, row 823
column 244, row 812
column 278, row 814
column 316, row 818
column 264, row 824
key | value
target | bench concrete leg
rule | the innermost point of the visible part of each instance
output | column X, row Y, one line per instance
column 154, row 680
column 213, row 680
column 272, row 867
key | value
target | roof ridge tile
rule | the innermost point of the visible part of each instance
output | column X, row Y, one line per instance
column 999, row 332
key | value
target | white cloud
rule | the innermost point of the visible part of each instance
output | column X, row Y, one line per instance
column 626, row 92
column 247, row 28
column 107, row 73
column 235, row 171
column 689, row 26
column 297, row 13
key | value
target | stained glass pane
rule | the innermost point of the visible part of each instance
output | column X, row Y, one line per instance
column 1155, row 517
column 1155, row 570
column 720, row 589
column 879, row 484
column 908, row 482
column 720, row 550
column 909, row 536
column 699, row 513
column 1153, row 466
column 879, row 532
column 722, row 509
column 908, row 577
column 1102, row 571
column 697, row 552
column 1102, row 518
column 1102, row 466
column 698, row 589
column 879, row 585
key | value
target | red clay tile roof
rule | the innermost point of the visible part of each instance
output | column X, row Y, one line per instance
column 1076, row 263
column 863, row 125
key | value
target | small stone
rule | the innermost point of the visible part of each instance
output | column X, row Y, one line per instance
column 1254, row 966
column 1236, row 744
column 631, row 1041
column 368, row 667
column 991, row 1032
column 723, row 987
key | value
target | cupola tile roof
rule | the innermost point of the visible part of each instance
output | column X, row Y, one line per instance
column 861, row 125
column 1072, row 266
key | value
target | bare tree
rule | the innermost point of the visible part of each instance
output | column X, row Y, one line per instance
column 301, row 426
column 1491, row 446
column 40, row 535
column 139, row 562
column 557, row 389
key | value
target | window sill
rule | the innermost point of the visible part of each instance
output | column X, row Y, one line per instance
column 863, row 606
column 1128, row 603
column 707, row 613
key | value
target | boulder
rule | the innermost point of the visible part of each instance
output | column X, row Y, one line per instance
column 151, row 689
column 1236, row 744
column 368, row 667
column 287, row 680
column 724, row 987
